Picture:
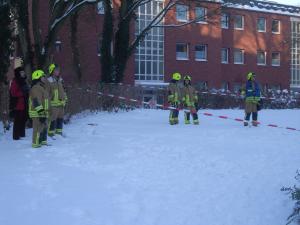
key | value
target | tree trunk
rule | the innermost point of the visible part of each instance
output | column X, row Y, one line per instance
column 107, row 36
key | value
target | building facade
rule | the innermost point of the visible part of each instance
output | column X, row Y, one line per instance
column 217, row 50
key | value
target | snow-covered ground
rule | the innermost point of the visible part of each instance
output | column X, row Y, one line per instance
column 135, row 169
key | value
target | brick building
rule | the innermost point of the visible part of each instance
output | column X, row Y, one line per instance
column 217, row 51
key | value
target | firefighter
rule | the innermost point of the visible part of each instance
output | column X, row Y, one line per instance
column 174, row 97
column 38, row 109
column 190, row 101
column 251, row 91
column 18, row 102
column 58, row 99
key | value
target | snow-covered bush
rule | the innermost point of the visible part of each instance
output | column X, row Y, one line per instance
column 294, row 194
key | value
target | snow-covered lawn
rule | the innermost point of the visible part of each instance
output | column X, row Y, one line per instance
column 135, row 169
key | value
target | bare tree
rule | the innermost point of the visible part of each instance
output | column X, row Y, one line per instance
column 59, row 12
column 124, row 47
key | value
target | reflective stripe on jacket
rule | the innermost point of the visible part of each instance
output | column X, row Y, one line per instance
column 58, row 96
column 190, row 96
column 38, row 101
column 174, row 95
column 252, row 92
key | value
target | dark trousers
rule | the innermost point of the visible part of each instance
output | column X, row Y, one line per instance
column 254, row 116
column 19, row 124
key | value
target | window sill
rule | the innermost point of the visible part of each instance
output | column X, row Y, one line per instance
column 226, row 28
column 236, row 63
column 182, row 59
column 239, row 28
column 225, row 63
column 201, row 60
column 275, row 32
column 261, row 64
column 261, row 31
column 202, row 22
column 182, row 21
column 275, row 65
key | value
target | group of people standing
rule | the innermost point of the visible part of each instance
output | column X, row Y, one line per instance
column 187, row 98
column 43, row 103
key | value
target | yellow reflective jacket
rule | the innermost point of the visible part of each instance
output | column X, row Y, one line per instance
column 174, row 93
column 58, row 96
column 38, row 101
column 189, row 95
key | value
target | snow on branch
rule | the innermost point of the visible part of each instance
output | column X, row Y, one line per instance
column 71, row 9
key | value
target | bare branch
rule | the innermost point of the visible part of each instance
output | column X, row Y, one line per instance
column 73, row 7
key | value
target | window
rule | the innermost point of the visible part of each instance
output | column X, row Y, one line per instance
column 275, row 59
column 276, row 26
column 261, row 24
column 100, row 7
column 224, row 55
column 237, row 87
column 201, row 52
column 182, row 13
column 225, row 21
column 149, row 55
column 201, row 14
column 225, row 86
column 202, row 85
column 261, row 58
column 238, row 56
column 238, row 22
column 182, row 51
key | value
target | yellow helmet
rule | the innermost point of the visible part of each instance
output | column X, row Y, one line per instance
column 250, row 75
column 176, row 76
column 37, row 74
column 187, row 77
column 51, row 68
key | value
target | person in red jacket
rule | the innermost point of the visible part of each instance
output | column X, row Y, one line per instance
column 19, row 98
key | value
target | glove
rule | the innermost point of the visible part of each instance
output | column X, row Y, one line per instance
column 42, row 119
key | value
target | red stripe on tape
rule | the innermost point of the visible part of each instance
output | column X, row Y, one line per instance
column 272, row 125
column 290, row 128
column 240, row 120
column 223, row 117
column 207, row 114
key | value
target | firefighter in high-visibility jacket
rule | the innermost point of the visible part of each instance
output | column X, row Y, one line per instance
column 251, row 91
column 38, row 109
column 174, row 97
column 58, row 99
column 190, row 101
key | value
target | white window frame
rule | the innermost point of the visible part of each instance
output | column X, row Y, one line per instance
column 204, row 20
column 273, row 64
column 187, row 13
column 187, row 52
column 227, row 20
column 227, row 56
column 265, row 57
column 243, row 22
column 279, row 26
column 205, row 59
column 265, row 25
column 243, row 56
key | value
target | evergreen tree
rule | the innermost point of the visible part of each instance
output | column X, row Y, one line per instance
column 294, row 194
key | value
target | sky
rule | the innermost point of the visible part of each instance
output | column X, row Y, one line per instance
column 288, row 2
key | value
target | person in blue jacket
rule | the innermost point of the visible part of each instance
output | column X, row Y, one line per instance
column 251, row 91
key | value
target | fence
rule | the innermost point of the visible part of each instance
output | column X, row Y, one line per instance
column 114, row 97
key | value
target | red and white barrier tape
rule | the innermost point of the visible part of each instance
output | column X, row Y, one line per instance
column 241, row 120
column 205, row 114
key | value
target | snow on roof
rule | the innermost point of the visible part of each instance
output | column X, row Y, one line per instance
column 264, row 6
